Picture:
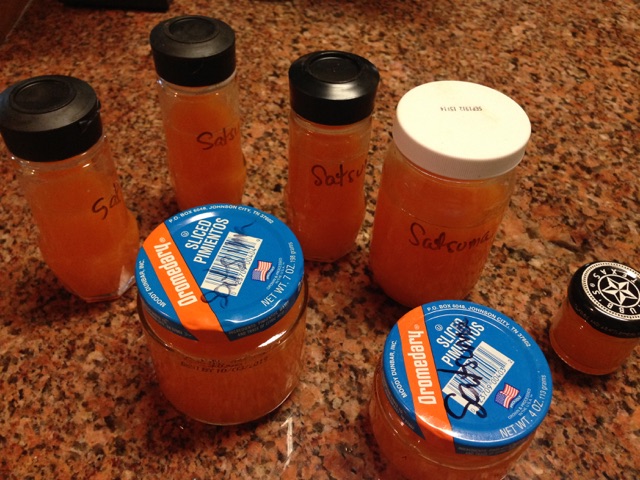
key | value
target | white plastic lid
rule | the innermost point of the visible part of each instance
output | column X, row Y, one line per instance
column 461, row 130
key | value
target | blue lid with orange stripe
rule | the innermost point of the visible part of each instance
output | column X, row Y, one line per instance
column 466, row 378
column 219, row 272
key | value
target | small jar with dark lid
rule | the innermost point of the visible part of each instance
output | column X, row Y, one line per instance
column 598, row 325
column 332, row 98
column 195, row 59
column 51, row 125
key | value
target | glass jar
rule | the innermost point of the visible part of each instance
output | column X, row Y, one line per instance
column 195, row 60
column 332, row 99
column 598, row 324
column 222, row 300
column 459, row 393
column 51, row 125
column 446, row 183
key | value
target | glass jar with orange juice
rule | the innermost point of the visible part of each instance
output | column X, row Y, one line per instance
column 446, row 183
column 195, row 61
column 222, row 300
column 332, row 99
column 51, row 125
column 459, row 392
column 598, row 325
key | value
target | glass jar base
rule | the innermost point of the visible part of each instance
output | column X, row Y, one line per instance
column 580, row 367
column 223, row 423
column 107, row 297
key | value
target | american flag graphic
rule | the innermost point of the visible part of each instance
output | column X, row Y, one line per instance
column 261, row 272
column 505, row 396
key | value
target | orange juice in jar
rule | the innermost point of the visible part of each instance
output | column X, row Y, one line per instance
column 459, row 393
column 332, row 99
column 222, row 300
column 598, row 325
column 446, row 183
column 88, row 237
column 198, row 89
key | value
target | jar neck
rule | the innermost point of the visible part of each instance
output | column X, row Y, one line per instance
column 81, row 160
column 301, row 122
column 184, row 90
column 250, row 346
column 397, row 155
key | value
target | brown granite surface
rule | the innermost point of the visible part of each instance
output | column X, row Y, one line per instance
column 78, row 396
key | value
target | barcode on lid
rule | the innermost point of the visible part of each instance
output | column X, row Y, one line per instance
column 491, row 366
column 231, row 264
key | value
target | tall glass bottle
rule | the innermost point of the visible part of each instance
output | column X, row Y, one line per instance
column 51, row 125
column 332, row 98
column 196, row 65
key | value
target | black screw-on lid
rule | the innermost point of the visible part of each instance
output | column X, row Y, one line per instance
column 607, row 296
column 332, row 87
column 193, row 51
column 49, row 118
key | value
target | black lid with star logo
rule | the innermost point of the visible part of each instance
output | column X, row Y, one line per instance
column 607, row 296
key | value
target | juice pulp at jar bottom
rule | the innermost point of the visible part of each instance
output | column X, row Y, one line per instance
column 229, row 391
column 585, row 348
column 438, row 232
column 460, row 392
column 85, row 226
column 204, row 148
column 223, row 303
column 325, row 191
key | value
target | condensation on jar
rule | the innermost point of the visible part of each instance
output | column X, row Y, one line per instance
column 598, row 325
column 459, row 393
column 446, row 183
column 51, row 124
column 222, row 299
column 195, row 59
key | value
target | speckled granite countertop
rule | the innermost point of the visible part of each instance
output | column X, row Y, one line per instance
column 78, row 394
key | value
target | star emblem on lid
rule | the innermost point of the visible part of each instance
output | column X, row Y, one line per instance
column 620, row 290
column 613, row 289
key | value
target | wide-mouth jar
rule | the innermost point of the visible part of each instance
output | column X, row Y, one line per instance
column 446, row 182
column 222, row 300
column 459, row 392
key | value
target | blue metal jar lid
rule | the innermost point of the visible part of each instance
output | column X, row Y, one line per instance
column 464, row 375
column 219, row 273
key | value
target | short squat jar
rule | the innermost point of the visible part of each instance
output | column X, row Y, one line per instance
column 332, row 99
column 88, row 237
column 598, row 324
column 459, row 393
column 446, row 183
column 222, row 300
column 195, row 60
